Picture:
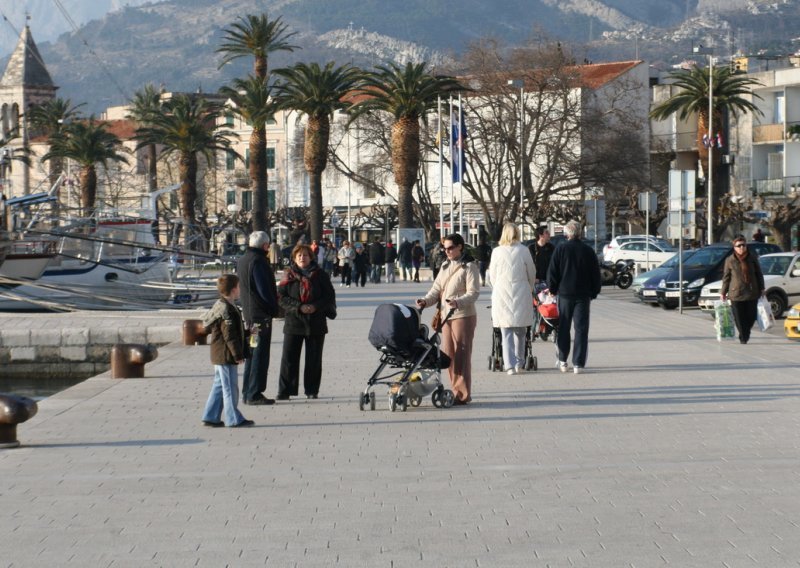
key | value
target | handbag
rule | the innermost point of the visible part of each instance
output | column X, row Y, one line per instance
column 723, row 320
column 764, row 314
column 436, row 322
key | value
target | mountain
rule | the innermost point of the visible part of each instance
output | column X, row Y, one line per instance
column 173, row 42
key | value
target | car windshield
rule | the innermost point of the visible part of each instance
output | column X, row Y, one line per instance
column 775, row 265
column 673, row 261
column 707, row 257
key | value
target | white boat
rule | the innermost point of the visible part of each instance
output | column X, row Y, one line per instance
column 25, row 262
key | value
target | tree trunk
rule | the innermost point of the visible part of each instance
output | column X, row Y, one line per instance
column 315, row 159
column 782, row 235
column 405, row 164
column 187, row 170
column 315, row 205
column 88, row 181
column 258, row 178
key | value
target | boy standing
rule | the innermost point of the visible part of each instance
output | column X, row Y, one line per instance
column 224, row 322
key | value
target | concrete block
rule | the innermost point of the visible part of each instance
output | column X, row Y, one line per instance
column 74, row 336
column 104, row 336
column 15, row 338
column 23, row 353
column 162, row 335
column 73, row 353
column 133, row 335
column 48, row 353
column 99, row 353
column 45, row 337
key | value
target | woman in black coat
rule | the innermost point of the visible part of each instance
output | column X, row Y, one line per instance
column 307, row 296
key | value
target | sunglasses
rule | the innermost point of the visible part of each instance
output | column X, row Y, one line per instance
column 448, row 249
column 739, row 245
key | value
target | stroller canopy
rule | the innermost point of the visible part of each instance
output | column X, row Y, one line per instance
column 396, row 327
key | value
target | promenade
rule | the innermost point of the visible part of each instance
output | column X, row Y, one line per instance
column 671, row 450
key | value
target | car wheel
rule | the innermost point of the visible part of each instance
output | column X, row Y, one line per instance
column 777, row 304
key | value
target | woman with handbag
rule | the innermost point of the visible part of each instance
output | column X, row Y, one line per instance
column 743, row 284
column 307, row 296
column 457, row 287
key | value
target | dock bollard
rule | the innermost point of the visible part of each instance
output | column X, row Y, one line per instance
column 14, row 409
column 128, row 360
column 194, row 332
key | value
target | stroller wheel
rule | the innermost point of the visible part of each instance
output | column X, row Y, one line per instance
column 448, row 398
column 372, row 401
column 491, row 363
column 436, row 398
column 404, row 403
column 535, row 363
column 415, row 400
column 392, row 402
column 362, row 401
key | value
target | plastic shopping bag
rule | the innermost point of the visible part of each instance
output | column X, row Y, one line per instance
column 723, row 321
column 764, row 313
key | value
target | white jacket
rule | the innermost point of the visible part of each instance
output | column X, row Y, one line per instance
column 512, row 275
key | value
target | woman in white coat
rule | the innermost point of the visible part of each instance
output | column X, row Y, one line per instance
column 512, row 275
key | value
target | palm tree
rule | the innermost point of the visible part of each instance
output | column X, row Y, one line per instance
column 187, row 127
column 317, row 92
column 729, row 93
column 49, row 119
column 257, row 36
column 143, row 106
column 408, row 94
column 251, row 99
column 89, row 143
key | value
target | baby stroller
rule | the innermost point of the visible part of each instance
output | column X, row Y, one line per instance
column 496, row 358
column 545, row 317
column 404, row 344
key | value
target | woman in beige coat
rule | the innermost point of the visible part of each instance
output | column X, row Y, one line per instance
column 457, row 287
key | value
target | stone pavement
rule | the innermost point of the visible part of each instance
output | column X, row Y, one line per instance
column 672, row 449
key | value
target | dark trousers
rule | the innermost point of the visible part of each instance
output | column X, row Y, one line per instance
column 360, row 275
column 254, row 377
column 744, row 314
column 346, row 273
column 482, row 266
column 573, row 312
column 290, row 364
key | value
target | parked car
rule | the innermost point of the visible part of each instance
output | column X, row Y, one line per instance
column 617, row 241
column 791, row 325
column 646, row 283
column 781, row 283
column 643, row 253
column 704, row 266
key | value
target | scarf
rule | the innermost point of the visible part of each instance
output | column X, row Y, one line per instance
column 743, row 265
column 304, row 277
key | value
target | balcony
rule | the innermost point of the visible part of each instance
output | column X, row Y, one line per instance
column 768, row 133
column 777, row 187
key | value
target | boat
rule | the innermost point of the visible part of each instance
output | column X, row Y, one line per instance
column 25, row 262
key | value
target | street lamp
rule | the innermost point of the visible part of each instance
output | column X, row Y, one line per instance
column 700, row 50
column 518, row 84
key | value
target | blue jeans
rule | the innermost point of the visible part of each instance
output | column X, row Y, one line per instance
column 513, row 346
column 254, row 377
column 573, row 312
column 375, row 276
column 224, row 397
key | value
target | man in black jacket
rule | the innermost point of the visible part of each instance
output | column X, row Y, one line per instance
column 574, row 274
column 541, row 251
column 376, row 256
column 404, row 254
column 259, row 299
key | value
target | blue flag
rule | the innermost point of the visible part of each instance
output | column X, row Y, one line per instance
column 458, row 139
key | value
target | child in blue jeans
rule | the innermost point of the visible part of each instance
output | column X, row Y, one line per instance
column 224, row 322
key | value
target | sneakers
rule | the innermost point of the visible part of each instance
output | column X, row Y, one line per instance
column 261, row 401
column 211, row 424
column 511, row 372
column 519, row 369
column 577, row 370
column 562, row 366
column 243, row 424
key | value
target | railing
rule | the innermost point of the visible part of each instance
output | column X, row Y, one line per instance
column 777, row 186
column 767, row 133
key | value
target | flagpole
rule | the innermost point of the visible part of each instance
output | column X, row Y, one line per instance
column 452, row 158
column 461, row 142
column 440, row 138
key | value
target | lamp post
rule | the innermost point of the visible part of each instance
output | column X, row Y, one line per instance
column 518, row 84
column 700, row 50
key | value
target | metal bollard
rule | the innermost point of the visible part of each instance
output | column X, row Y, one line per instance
column 128, row 360
column 14, row 410
column 194, row 332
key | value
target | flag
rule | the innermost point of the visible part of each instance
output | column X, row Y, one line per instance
column 457, row 144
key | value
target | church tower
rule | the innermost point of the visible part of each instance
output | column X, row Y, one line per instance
column 24, row 84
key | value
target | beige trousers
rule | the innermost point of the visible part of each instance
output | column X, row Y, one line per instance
column 457, row 336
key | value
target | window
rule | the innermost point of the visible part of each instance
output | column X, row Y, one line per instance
column 228, row 119
column 247, row 158
column 230, row 160
column 247, row 200
column 271, row 199
column 270, row 158
column 230, row 197
column 173, row 200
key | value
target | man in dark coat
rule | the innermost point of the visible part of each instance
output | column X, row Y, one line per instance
column 376, row 256
column 259, row 299
column 574, row 275
column 541, row 251
column 404, row 254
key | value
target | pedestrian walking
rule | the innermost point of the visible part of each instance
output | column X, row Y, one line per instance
column 224, row 322
column 390, row 257
column 360, row 265
column 404, row 255
column 743, row 284
column 512, row 277
column 483, row 254
column 346, row 256
column 329, row 264
column 574, row 275
column 259, row 299
column 542, row 251
column 376, row 260
column 308, row 299
column 417, row 256
column 275, row 256
column 437, row 258
column 457, row 287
